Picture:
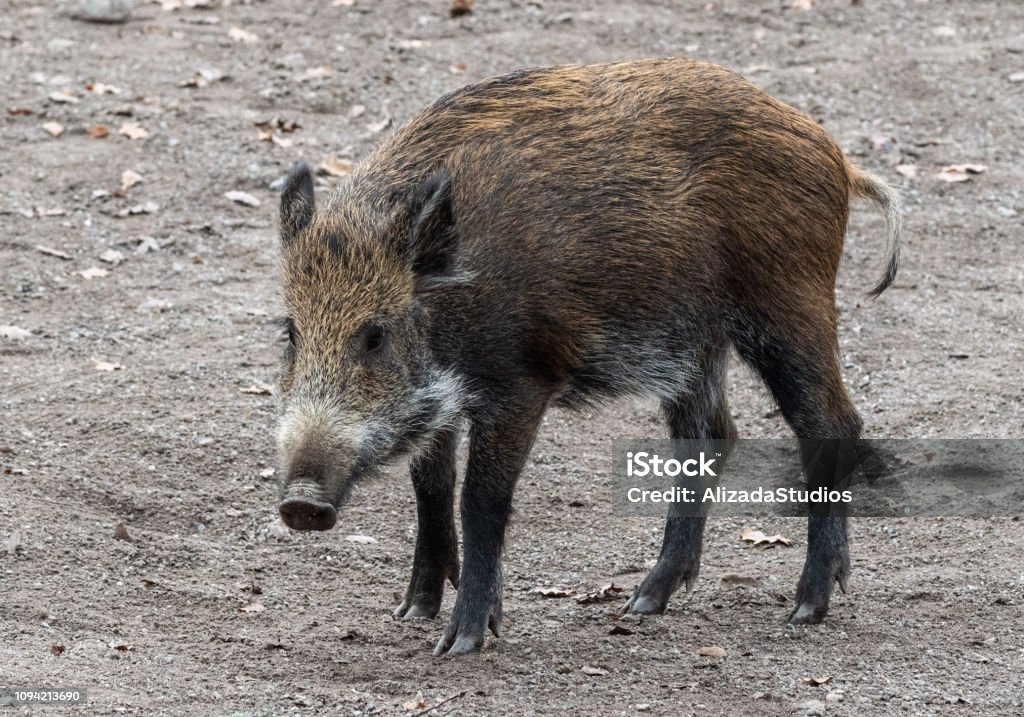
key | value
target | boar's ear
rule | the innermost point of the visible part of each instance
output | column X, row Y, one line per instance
column 434, row 241
column 297, row 202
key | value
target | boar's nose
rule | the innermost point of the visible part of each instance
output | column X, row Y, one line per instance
column 307, row 514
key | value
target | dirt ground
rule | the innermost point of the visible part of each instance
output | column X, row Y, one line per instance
column 210, row 607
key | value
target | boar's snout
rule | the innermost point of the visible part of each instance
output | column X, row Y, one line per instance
column 303, row 513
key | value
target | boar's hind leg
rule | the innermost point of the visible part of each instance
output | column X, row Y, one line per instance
column 700, row 420
column 437, row 546
column 799, row 361
column 498, row 449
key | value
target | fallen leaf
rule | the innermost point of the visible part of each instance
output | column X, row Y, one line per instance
column 381, row 125
column 1016, row 77
column 944, row 31
column 14, row 333
column 112, row 256
column 883, row 143
column 129, row 179
column 98, row 88
column 64, row 97
column 817, row 681
column 458, row 8
column 107, row 366
column 343, row 3
column 802, row 5
column 133, row 131
column 13, row 542
column 552, row 592
column 254, row 606
column 203, row 77
column 144, row 208
column 121, row 648
column 237, row 34
column 18, row 111
column 457, row 68
column 334, row 167
column 360, row 539
column 121, row 530
column 53, row 252
column 713, row 651
column 148, row 584
column 620, row 630
column 356, row 111
column 261, row 390
column 93, row 272
column 960, row 172
column 147, row 244
column 734, row 581
column 603, row 594
column 313, row 73
column 242, row 198
column 916, row 459
column 907, row 170
column 57, row 649
column 594, row 671
column 54, row 129
column 280, row 141
column 267, row 473
column 417, row 703
column 155, row 305
column 748, row 535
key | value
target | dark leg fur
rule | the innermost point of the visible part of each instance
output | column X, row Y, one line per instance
column 801, row 368
column 437, row 546
column 498, row 449
column 700, row 420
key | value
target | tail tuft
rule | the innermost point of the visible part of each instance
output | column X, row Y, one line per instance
column 864, row 184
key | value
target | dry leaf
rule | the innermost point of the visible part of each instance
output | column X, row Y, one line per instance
column 18, row 111
column 608, row 592
column 203, row 77
column 54, row 129
column 267, row 473
column 98, row 131
column 907, row 170
column 916, row 459
column 133, row 131
column 53, row 252
column 94, row 272
column 944, row 31
column 458, row 68
column 121, row 648
column 334, row 167
column 360, row 539
column 261, row 390
column 356, row 111
column 817, row 681
column 121, row 530
column 960, row 172
column 98, row 88
column 418, row 702
column 280, row 141
column 129, row 179
column 155, row 305
column 253, row 607
column 64, row 97
column 237, row 34
column 313, row 73
column 713, row 651
column 458, row 8
column 734, row 581
column 594, row 671
column 242, row 198
column 756, row 537
column 112, row 256
column 802, row 5
column 57, row 649
column 552, row 592
column 1016, row 77
column 144, row 208
column 107, row 366
column 380, row 126
column 14, row 333
column 620, row 630
column 343, row 3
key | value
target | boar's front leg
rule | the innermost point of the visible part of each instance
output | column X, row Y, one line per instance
column 437, row 546
column 499, row 445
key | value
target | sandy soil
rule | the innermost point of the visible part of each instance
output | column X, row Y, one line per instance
column 210, row 608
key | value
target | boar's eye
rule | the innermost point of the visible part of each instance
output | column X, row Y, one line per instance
column 372, row 339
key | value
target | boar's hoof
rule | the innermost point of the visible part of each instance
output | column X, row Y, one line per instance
column 416, row 611
column 305, row 514
column 462, row 636
column 643, row 605
column 807, row 614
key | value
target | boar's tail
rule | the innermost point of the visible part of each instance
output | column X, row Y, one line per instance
column 864, row 184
